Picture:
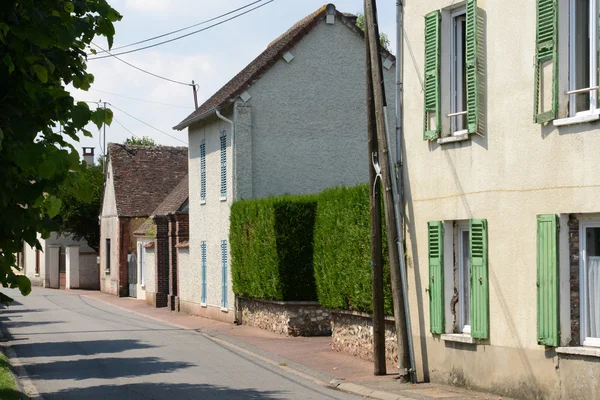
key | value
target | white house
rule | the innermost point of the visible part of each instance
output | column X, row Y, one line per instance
column 292, row 122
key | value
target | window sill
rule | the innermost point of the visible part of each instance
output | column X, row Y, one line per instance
column 578, row 119
column 579, row 351
column 202, row 202
column 203, row 305
column 223, row 198
column 225, row 310
column 459, row 338
column 36, row 275
column 453, row 139
column 107, row 272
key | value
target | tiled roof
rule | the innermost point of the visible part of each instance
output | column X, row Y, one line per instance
column 146, row 229
column 175, row 199
column 143, row 176
column 253, row 71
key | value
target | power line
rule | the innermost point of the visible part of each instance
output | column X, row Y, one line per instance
column 147, row 101
column 124, row 127
column 186, row 28
column 147, row 124
column 140, row 69
column 182, row 36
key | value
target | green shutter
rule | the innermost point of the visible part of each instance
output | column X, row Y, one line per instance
column 435, row 234
column 432, row 75
column 471, row 72
column 546, row 51
column 480, row 320
column 547, row 280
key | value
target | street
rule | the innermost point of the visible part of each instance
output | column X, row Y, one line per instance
column 74, row 347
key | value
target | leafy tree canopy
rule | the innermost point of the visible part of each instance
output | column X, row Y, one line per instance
column 143, row 141
column 43, row 46
column 383, row 38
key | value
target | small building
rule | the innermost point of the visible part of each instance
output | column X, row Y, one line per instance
column 138, row 179
column 294, row 121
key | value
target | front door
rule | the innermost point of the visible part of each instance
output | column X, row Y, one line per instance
column 132, row 274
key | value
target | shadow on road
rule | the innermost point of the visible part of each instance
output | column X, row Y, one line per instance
column 11, row 323
column 177, row 391
column 89, row 347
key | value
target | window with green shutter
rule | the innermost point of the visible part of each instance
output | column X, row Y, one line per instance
column 472, row 91
column 479, row 279
column 435, row 234
column 546, row 59
column 432, row 122
column 547, row 280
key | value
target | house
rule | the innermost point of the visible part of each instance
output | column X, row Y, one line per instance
column 138, row 179
column 160, row 239
column 502, row 183
column 291, row 122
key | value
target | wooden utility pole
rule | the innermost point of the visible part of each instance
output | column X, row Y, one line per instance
column 392, row 235
column 376, row 248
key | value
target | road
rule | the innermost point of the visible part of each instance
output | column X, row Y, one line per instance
column 73, row 347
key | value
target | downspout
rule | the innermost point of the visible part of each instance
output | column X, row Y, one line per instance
column 232, row 152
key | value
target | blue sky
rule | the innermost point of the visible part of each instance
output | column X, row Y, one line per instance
column 210, row 58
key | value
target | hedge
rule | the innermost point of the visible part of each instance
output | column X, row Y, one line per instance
column 342, row 251
column 306, row 248
column 271, row 248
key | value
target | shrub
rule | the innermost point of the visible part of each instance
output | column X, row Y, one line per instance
column 272, row 248
column 342, row 251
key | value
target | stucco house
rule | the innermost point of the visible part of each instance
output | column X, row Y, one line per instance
column 291, row 122
column 138, row 179
column 502, row 188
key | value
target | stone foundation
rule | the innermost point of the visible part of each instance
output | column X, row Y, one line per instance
column 352, row 333
column 291, row 318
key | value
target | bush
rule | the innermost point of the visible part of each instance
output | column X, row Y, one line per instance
column 342, row 251
column 272, row 248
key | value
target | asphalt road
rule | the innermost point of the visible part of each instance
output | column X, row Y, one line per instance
column 74, row 347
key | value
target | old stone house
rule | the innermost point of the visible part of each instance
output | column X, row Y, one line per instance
column 291, row 122
column 138, row 179
column 502, row 188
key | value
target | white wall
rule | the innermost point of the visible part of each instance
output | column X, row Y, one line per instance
column 109, row 229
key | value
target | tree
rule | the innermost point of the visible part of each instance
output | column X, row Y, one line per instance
column 143, row 141
column 383, row 38
column 43, row 46
column 78, row 217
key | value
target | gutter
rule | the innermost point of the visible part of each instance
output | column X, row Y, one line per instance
column 218, row 114
column 186, row 123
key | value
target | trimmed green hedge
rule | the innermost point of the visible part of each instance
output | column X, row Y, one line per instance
column 271, row 248
column 306, row 248
column 342, row 251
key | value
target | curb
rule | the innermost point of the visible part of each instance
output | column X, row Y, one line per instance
column 272, row 359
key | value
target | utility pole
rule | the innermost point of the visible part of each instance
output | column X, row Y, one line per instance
column 395, row 244
column 105, row 150
column 376, row 240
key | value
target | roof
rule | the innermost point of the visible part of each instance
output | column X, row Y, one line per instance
column 175, row 199
column 143, row 176
column 146, row 229
column 274, row 51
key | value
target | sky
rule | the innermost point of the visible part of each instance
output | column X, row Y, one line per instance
column 210, row 58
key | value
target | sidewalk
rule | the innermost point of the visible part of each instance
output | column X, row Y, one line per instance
column 309, row 357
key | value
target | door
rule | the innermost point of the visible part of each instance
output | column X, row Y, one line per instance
column 132, row 274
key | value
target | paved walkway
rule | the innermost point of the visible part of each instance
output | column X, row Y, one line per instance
column 310, row 356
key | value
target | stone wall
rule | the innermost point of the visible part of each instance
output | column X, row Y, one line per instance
column 292, row 318
column 352, row 333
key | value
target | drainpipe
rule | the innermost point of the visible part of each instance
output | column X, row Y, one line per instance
column 232, row 152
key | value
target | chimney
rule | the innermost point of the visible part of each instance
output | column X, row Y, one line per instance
column 88, row 155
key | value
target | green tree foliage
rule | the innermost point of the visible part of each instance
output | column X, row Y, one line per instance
column 78, row 217
column 143, row 141
column 43, row 45
column 383, row 38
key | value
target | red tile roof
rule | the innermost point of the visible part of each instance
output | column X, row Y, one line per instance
column 144, row 176
column 174, row 200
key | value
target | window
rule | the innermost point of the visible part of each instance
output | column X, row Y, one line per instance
column 464, row 278
column 37, row 261
column 107, row 263
column 202, row 172
column 223, row 165
column 589, row 282
column 203, row 267
column 583, row 47
column 458, row 89
column 224, row 302
column 141, row 263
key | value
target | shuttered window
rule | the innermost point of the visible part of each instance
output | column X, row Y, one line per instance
column 471, row 67
column 547, row 280
column 479, row 279
column 435, row 233
column 432, row 123
column 203, row 171
column 223, row 164
column 224, row 301
column 546, row 59
column 203, row 266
